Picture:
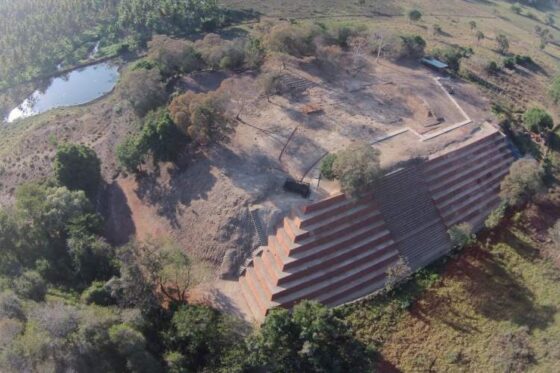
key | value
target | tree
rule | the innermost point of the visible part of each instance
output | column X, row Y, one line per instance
column 357, row 168
column 413, row 46
column 479, row 36
column 199, row 336
column 554, row 91
column 11, row 306
column 161, row 268
column 143, row 88
column 311, row 339
column 503, row 43
column 77, row 167
column 161, row 136
column 472, row 25
column 131, row 344
column 537, row 120
column 327, row 166
column 201, row 116
column 30, row 285
column 173, row 55
column 414, row 15
column 461, row 235
column 437, row 30
column 516, row 9
column 132, row 152
column 524, row 180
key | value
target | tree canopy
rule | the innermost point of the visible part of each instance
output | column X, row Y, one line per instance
column 537, row 120
column 357, row 168
column 77, row 167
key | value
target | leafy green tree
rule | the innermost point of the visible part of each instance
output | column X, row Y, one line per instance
column 537, row 120
column 357, row 168
column 132, row 152
column 414, row 15
column 311, row 339
column 77, row 167
column 162, row 136
column 525, row 179
column 199, row 336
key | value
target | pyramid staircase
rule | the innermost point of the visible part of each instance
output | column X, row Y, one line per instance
column 339, row 249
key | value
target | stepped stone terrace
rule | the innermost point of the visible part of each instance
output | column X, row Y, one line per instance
column 337, row 249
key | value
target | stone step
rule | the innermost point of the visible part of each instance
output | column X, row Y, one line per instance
column 375, row 231
column 303, row 221
column 477, row 158
column 271, row 265
column 331, row 286
column 249, row 299
column 323, row 204
column 452, row 194
column 268, row 284
column 461, row 215
column 358, row 287
column 467, row 158
column 345, row 229
column 468, row 191
column 259, row 294
column 452, row 155
column 377, row 243
column 368, row 259
column 472, row 200
column 495, row 163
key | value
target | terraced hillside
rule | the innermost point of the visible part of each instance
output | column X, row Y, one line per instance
column 339, row 249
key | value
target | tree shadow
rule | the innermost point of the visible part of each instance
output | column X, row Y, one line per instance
column 183, row 186
column 119, row 226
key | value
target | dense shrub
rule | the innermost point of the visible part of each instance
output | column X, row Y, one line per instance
column 174, row 56
column 414, row 15
column 412, row 46
column 503, row 43
column 357, row 168
column 513, row 351
column 10, row 306
column 537, row 120
column 461, row 235
column 294, row 40
column 77, row 167
column 496, row 216
column 492, row 68
column 201, row 116
column 327, row 166
column 98, row 294
column 144, row 89
column 31, row 285
column 524, row 180
column 131, row 152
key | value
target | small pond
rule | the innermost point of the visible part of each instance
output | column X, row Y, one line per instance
column 78, row 87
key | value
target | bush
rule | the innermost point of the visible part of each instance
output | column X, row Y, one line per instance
column 537, row 120
column 509, row 62
column 77, row 167
column 327, row 166
column 297, row 41
column 131, row 153
column 98, row 294
column 412, row 46
column 414, row 15
column 201, row 116
column 357, row 168
column 461, row 235
column 496, row 216
column 31, row 285
column 524, row 180
column 144, row 89
column 492, row 68
column 173, row 56
column 10, row 306
column 452, row 56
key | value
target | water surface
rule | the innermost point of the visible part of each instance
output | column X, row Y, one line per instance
column 78, row 87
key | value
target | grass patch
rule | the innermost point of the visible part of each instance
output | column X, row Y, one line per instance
column 495, row 308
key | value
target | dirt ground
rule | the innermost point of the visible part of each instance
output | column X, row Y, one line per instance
column 203, row 202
